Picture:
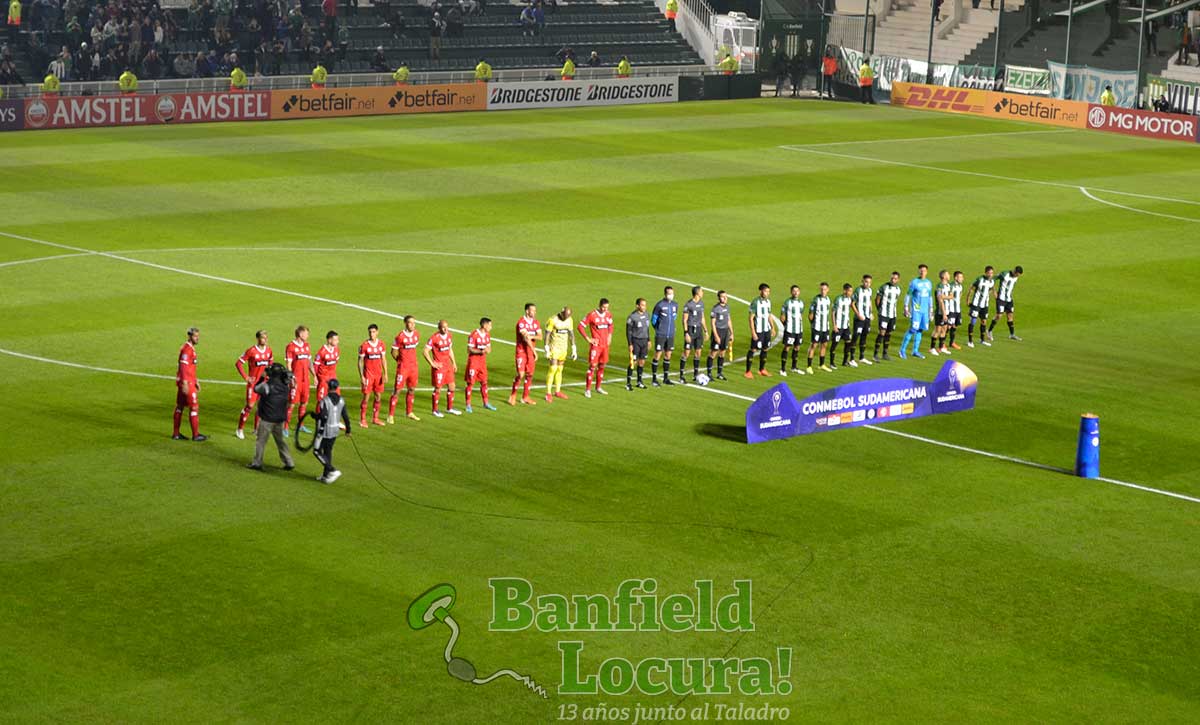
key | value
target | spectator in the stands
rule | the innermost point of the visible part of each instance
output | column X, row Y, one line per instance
column 565, row 52
column 437, row 26
column 201, row 69
column 184, row 65
column 379, row 63
column 528, row 22
column 937, row 10
column 14, row 23
column 61, row 65
column 1185, row 42
column 9, row 75
column 223, row 9
column 454, row 22
column 539, row 17
column 1151, row 38
column 329, row 15
column 152, row 65
column 593, row 60
column 396, row 23
column 278, row 51
column 329, row 55
column 1162, row 105
column 343, row 40
column 351, row 7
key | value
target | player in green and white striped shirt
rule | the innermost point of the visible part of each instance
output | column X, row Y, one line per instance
column 941, row 314
column 843, row 313
column 955, row 307
column 863, row 313
column 886, row 301
column 981, row 298
column 818, row 315
column 791, row 314
column 1004, row 300
column 762, row 325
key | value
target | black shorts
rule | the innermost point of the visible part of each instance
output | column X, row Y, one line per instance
column 663, row 343
column 762, row 341
column 697, row 337
column 820, row 336
column 842, row 335
column 862, row 328
column 939, row 319
column 887, row 324
column 979, row 312
column 1003, row 306
column 793, row 338
column 640, row 348
column 954, row 319
column 719, row 341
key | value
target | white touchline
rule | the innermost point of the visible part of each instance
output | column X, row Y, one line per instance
column 998, row 177
column 119, row 256
column 1135, row 209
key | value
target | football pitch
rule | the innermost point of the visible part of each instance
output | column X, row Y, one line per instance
column 892, row 577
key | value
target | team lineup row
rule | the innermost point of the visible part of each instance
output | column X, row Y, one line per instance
column 847, row 319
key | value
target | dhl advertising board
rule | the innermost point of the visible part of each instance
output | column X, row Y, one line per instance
column 378, row 100
column 991, row 104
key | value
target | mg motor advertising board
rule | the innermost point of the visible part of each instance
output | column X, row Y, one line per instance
column 1142, row 123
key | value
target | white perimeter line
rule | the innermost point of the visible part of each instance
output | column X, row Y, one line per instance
column 88, row 252
column 980, row 174
column 925, row 138
column 1089, row 195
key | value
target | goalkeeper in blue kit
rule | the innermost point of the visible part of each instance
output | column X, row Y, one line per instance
column 918, row 306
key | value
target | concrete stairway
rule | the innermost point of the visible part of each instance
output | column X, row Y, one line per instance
column 904, row 32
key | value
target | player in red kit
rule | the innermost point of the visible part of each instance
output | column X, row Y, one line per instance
column 251, row 366
column 325, row 364
column 597, row 329
column 188, row 388
column 529, row 333
column 372, row 369
column 404, row 352
column 479, row 344
column 299, row 360
column 439, row 353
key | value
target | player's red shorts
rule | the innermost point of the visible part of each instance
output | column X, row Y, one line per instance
column 186, row 394
column 299, row 395
column 251, row 396
column 476, row 371
column 444, row 376
column 374, row 385
column 322, row 388
column 526, row 361
column 597, row 356
column 406, row 377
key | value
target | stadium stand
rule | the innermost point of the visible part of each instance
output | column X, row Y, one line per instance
column 199, row 38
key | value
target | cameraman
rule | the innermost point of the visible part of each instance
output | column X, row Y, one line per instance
column 274, row 390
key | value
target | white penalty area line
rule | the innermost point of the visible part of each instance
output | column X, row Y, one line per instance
column 1147, row 212
column 997, row 177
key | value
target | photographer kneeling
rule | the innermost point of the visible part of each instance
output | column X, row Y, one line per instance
column 273, row 390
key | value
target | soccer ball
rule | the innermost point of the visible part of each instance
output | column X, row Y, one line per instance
column 701, row 379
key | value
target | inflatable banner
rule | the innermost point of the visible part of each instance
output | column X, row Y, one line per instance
column 777, row 414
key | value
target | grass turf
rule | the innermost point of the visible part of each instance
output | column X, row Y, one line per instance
column 145, row 579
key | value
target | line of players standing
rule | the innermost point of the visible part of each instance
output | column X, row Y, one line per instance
column 846, row 319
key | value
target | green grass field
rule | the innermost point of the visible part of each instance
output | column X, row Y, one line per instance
column 144, row 579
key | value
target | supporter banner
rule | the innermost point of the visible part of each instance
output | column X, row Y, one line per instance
column 777, row 414
column 1030, row 81
column 974, row 76
column 565, row 94
column 1182, row 96
column 142, row 109
column 12, row 115
column 1085, row 83
column 377, row 100
column 991, row 104
column 1142, row 123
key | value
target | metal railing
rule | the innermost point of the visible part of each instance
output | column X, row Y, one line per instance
column 693, row 22
column 345, row 80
